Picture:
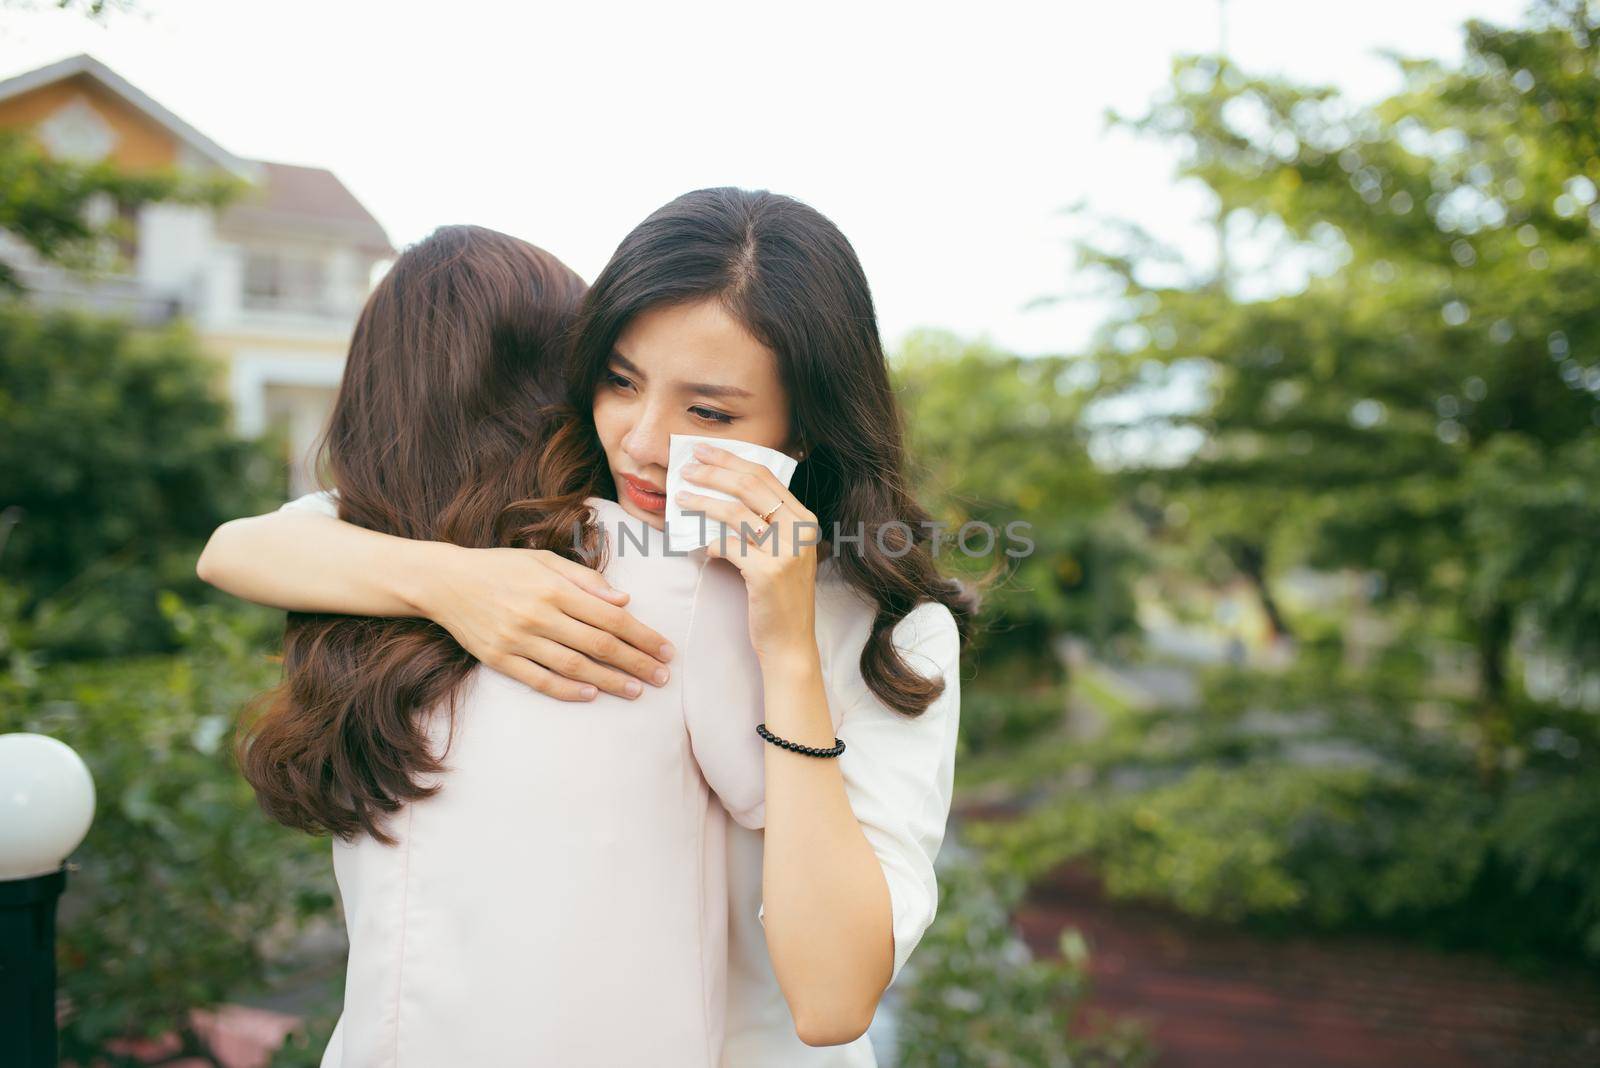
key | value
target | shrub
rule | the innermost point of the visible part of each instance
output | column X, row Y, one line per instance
column 116, row 463
column 1333, row 803
column 977, row 997
column 186, row 893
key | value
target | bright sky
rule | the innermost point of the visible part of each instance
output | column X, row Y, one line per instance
column 942, row 138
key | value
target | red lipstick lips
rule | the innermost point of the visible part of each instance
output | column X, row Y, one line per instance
column 644, row 495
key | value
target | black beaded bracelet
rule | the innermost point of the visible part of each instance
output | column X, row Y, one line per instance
column 809, row 750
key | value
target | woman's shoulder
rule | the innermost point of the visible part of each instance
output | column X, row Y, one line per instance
column 323, row 502
column 627, row 534
column 604, row 507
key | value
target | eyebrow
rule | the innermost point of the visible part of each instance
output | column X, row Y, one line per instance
column 707, row 388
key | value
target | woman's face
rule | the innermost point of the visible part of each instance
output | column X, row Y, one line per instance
column 683, row 369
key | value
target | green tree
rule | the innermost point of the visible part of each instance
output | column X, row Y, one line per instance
column 45, row 202
column 1420, row 406
column 1425, row 406
column 996, row 441
column 116, row 462
column 115, row 458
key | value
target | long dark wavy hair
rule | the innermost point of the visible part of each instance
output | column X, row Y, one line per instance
column 454, row 366
column 789, row 276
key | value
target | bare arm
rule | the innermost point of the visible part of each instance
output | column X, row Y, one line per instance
column 827, row 912
column 848, row 883
column 303, row 562
column 548, row 622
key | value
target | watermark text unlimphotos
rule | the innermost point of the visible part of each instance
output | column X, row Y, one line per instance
column 894, row 539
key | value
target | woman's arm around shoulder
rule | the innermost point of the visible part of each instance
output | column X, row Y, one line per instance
column 548, row 622
column 303, row 558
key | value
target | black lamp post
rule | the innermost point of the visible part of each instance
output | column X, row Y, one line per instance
column 46, row 805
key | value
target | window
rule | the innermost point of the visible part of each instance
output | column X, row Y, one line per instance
column 284, row 281
column 127, row 234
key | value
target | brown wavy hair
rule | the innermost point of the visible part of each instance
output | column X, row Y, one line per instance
column 453, row 369
column 790, row 277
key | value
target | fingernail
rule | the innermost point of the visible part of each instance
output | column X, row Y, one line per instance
column 632, row 688
column 668, row 652
column 588, row 692
column 660, row 676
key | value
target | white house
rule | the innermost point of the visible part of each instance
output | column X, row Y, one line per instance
column 272, row 283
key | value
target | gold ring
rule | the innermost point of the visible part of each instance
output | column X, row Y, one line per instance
column 770, row 512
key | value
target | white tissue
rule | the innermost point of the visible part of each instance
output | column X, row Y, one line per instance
column 693, row 531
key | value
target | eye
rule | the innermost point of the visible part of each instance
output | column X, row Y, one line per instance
column 711, row 416
column 614, row 379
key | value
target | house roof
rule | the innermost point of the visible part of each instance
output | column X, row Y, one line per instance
column 307, row 200
column 86, row 64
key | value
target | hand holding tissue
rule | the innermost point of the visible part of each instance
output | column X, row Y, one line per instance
column 688, row 529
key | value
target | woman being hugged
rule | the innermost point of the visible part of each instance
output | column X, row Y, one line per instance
column 512, row 867
column 745, row 314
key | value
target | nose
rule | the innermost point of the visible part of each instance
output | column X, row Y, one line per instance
column 645, row 443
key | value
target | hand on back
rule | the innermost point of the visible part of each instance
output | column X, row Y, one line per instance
column 546, row 621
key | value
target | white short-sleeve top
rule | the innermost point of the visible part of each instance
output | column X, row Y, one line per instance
column 898, row 774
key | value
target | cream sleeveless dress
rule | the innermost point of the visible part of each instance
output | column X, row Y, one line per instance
column 562, row 900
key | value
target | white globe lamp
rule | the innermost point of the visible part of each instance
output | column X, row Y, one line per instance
column 46, row 804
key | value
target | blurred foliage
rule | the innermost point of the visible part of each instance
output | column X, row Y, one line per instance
column 996, row 440
column 116, row 463
column 46, row 202
column 977, row 998
column 1427, row 406
column 994, row 720
column 93, row 9
column 304, row 1047
column 1424, row 408
column 186, row 894
column 1332, row 801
